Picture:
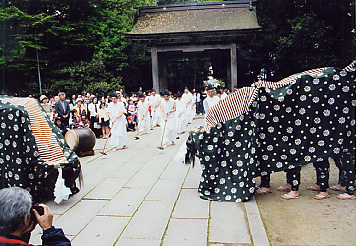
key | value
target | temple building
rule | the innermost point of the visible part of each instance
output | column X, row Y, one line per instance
column 191, row 29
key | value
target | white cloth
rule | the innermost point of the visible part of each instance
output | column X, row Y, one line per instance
column 188, row 98
column 118, row 130
column 169, row 132
column 61, row 192
column 209, row 102
column 156, row 111
column 145, row 125
column 181, row 116
column 223, row 96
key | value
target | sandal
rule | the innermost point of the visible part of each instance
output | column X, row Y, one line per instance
column 125, row 147
column 346, row 196
column 338, row 187
column 283, row 188
column 263, row 190
column 289, row 197
column 313, row 187
column 321, row 197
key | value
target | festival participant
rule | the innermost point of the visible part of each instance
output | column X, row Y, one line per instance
column 188, row 98
column 223, row 94
column 104, row 120
column 18, row 220
column 322, row 180
column 194, row 106
column 80, row 107
column 210, row 100
column 218, row 94
column 180, row 114
column 143, row 116
column 116, row 112
column 62, row 108
column 168, row 108
column 155, row 101
column 273, row 127
column 292, row 185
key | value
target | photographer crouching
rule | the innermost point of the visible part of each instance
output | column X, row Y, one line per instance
column 18, row 218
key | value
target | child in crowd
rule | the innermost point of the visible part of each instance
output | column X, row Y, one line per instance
column 84, row 122
column 60, row 125
column 104, row 120
column 75, row 120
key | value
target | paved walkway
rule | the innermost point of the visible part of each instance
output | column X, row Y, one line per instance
column 141, row 196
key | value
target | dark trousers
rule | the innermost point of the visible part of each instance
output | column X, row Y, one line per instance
column 346, row 172
column 292, row 176
column 322, row 174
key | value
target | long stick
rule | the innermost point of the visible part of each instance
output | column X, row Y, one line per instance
column 164, row 129
column 103, row 152
column 138, row 130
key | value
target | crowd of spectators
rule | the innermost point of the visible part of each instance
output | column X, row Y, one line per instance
column 90, row 110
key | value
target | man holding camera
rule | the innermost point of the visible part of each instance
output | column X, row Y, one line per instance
column 18, row 218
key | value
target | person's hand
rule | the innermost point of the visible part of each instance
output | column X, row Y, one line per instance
column 45, row 221
column 165, row 119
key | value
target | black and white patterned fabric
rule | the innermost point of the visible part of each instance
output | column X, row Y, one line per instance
column 308, row 120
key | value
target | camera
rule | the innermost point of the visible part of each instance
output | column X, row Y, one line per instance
column 39, row 210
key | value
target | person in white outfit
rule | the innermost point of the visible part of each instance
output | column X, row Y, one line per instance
column 210, row 100
column 188, row 98
column 143, row 116
column 155, row 101
column 223, row 94
column 181, row 114
column 116, row 112
column 168, row 109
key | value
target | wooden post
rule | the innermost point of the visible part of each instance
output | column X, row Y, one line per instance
column 163, row 71
column 233, row 56
column 154, row 60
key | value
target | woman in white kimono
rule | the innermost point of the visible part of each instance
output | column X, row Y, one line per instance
column 116, row 112
column 168, row 108
column 155, row 100
column 143, row 116
column 188, row 99
column 181, row 114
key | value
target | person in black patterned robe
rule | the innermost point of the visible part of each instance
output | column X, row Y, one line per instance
column 277, row 126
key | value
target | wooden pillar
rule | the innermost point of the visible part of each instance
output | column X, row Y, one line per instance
column 228, row 83
column 233, row 57
column 154, row 60
column 163, row 71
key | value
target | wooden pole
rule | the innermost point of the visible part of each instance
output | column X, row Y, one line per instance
column 154, row 59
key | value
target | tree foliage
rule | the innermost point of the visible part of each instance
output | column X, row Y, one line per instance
column 81, row 45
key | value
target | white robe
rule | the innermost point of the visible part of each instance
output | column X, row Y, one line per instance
column 145, row 125
column 169, row 132
column 118, row 130
column 188, row 97
column 209, row 102
column 155, row 111
column 182, row 119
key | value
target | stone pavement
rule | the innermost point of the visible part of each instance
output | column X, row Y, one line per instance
column 141, row 196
